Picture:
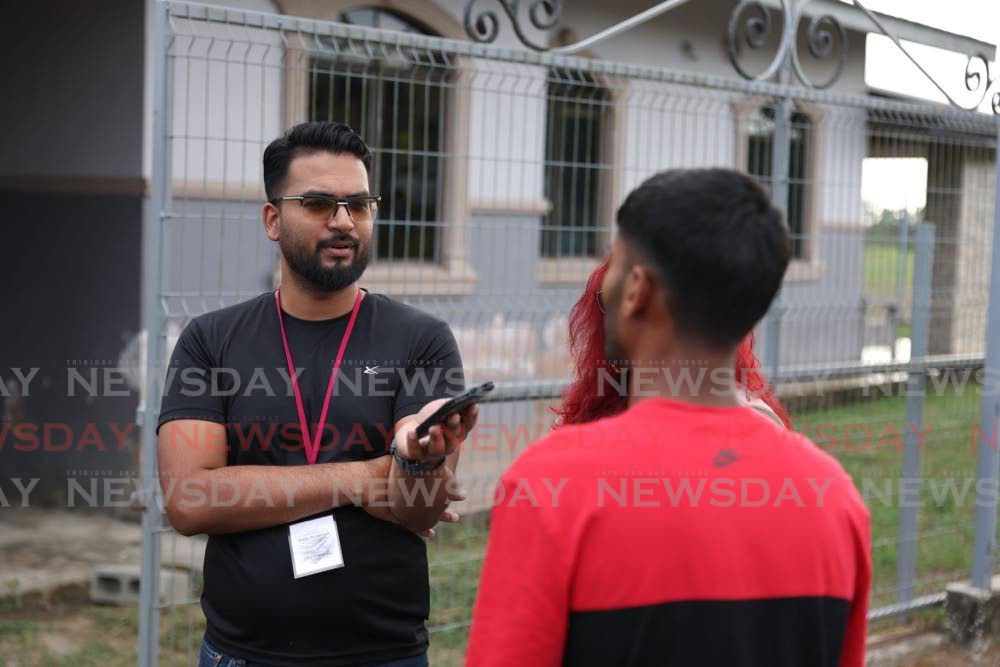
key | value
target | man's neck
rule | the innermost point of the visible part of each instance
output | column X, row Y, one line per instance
column 689, row 375
column 308, row 303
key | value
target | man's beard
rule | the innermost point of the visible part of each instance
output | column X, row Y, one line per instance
column 307, row 263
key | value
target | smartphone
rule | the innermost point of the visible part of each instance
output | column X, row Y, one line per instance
column 457, row 404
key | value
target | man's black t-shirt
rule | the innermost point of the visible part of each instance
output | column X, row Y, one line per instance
column 229, row 366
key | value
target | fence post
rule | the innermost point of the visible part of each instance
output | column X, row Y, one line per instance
column 916, row 389
column 780, row 157
column 152, row 235
column 902, row 262
column 984, row 544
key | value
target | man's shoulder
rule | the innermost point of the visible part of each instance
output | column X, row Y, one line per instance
column 227, row 317
column 403, row 314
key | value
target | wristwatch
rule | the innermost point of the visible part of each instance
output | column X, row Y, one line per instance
column 414, row 467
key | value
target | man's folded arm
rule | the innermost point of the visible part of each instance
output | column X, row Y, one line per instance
column 204, row 495
column 418, row 502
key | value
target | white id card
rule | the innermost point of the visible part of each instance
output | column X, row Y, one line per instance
column 315, row 546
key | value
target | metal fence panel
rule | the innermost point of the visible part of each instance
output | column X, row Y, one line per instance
column 500, row 171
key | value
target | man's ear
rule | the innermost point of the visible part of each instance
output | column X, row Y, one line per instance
column 637, row 289
column 270, row 216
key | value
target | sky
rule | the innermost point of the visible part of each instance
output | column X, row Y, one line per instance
column 888, row 69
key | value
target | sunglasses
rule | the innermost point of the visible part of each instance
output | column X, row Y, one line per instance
column 320, row 208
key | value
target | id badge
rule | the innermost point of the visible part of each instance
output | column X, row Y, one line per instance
column 315, row 546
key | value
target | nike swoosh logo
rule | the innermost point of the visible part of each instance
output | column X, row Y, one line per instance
column 725, row 457
column 373, row 370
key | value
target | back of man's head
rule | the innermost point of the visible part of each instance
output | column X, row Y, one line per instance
column 717, row 244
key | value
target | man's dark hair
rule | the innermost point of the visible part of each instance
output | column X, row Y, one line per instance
column 307, row 138
column 717, row 244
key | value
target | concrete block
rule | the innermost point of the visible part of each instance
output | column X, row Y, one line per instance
column 972, row 615
column 902, row 651
column 119, row 584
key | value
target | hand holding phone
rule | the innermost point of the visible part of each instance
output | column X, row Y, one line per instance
column 429, row 460
column 455, row 406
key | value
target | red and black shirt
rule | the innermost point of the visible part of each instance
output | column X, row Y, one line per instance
column 675, row 534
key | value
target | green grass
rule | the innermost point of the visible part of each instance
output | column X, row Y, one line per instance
column 69, row 636
column 944, row 546
column 16, row 629
column 456, row 559
column 882, row 257
column 95, row 652
column 181, row 630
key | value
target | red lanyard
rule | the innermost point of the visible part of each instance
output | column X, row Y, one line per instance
column 312, row 444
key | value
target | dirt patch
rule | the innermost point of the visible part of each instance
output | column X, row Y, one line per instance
column 47, row 557
column 952, row 656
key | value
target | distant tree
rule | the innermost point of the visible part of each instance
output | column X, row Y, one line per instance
column 885, row 222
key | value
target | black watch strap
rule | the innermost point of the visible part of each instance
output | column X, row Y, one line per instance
column 415, row 468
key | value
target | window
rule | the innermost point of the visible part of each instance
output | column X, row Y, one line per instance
column 577, row 117
column 759, row 156
column 396, row 100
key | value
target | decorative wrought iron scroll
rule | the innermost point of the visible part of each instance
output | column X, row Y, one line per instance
column 750, row 24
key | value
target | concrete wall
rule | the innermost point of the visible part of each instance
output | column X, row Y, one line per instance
column 225, row 108
column 824, row 318
column 71, row 196
column 72, row 304
column 974, row 245
column 506, row 132
column 73, row 82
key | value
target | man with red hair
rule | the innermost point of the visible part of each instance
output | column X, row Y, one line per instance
column 583, row 400
column 684, row 529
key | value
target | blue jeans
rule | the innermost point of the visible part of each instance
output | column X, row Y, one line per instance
column 212, row 657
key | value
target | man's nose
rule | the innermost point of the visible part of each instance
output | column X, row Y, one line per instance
column 341, row 219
